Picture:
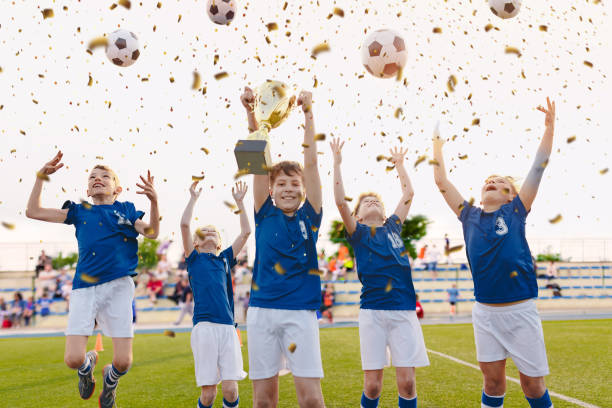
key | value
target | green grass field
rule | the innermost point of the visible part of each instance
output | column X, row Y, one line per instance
column 579, row 353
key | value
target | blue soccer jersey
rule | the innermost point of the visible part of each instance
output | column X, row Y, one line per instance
column 498, row 253
column 285, row 255
column 211, row 283
column 108, row 248
column 383, row 267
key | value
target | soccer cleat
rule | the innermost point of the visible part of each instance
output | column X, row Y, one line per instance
column 108, row 394
column 87, row 383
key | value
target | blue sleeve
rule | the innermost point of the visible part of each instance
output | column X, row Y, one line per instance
column 228, row 254
column 265, row 209
column 466, row 211
column 519, row 207
column 73, row 209
column 310, row 212
column 358, row 234
column 132, row 213
column 394, row 223
column 191, row 258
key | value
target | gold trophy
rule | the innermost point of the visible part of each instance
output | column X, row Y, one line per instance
column 271, row 107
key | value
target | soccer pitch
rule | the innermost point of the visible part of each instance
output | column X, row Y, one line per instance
column 579, row 353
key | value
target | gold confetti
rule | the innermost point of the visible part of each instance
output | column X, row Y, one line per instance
column 200, row 234
column 85, row 204
column 506, row 190
column 420, row 160
column 323, row 47
column 603, row 171
column 47, row 13
column 159, row 4
column 317, row 272
column 197, row 178
column 453, row 249
column 205, row 150
column 338, row 12
column 451, row 83
column 543, row 28
column 372, row 231
column 279, row 269
column 305, row 146
column 292, row 347
column 197, row 81
column 319, row 137
column 254, row 285
column 97, row 43
column 513, row 274
column 90, row 82
column 588, row 64
column 488, row 27
column 465, row 156
column 272, row 26
column 461, row 207
column 241, row 173
column 221, row 75
column 314, row 228
column 237, row 212
column 437, row 30
column 513, row 50
column 433, row 162
column 571, row 139
column 231, row 206
column 88, row 278
column 113, row 6
column 476, row 122
column 13, row 150
column 389, row 286
column 42, row 176
column 125, row 3
column 349, row 199
column 556, row 219
column 169, row 333
column 99, row 157
column 8, row 225
column 398, row 112
column 389, row 168
column 471, row 201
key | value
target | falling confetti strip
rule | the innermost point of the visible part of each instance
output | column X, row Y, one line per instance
column 513, row 274
column 47, row 13
column 437, row 30
column 323, row 47
column 88, row 278
column 338, row 12
column 221, row 75
column 205, row 150
column 197, row 81
column 241, row 173
column 349, row 199
column 279, row 269
column 229, row 205
column 85, row 204
column 8, row 225
column 476, row 122
column 543, row 28
column 571, row 139
column 319, row 137
column 453, row 249
column 603, row 171
column 125, row 3
column 389, row 286
column 316, row 272
column 292, row 347
column 149, row 231
column 197, row 178
column 169, row 333
column 556, row 219
column 513, row 50
column 42, row 176
column 463, row 157
column 272, row 26
column 254, row 286
column 97, row 43
column 588, row 64
column 420, row 160
column 200, row 234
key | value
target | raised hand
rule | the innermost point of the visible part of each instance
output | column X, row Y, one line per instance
column 239, row 191
column 305, row 101
column 397, row 155
column 438, row 141
column 336, row 147
column 549, row 121
column 247, row 98
column 147, row 187
column 195, row 194
column 53, row 165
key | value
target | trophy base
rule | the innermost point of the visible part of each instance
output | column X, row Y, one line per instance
column 253, row 156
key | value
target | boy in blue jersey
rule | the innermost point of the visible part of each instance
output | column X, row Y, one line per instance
column 103, row 288
column 282, row 324
column 387, row 314
column 214, row 341
column 505, row 318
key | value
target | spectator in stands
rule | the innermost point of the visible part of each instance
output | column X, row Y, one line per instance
column 163, row 248
column 327, row 301
column 60, row 281
column 181, row 269
column 432, row 257
column 29, row 311
column 155, row 288
column 323, row 264
column 551, row 270
column 245, row 303
column 242, row 272
column 46, row 279
column 178, row 290
column 44, row 304
column 453, row 295
column 419, row 309
column 17, row 309
column 331, row 265
column 185, row 301
column 66, row 290
column 43, row 259
column 349, row 264
column 5, row 314
column 163, row 269
column 421, row 257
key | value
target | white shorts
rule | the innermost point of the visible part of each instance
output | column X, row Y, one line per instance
column 511, row 331
column 399, row 330
column 109, row 304
column 216, row 353
column 271, row 332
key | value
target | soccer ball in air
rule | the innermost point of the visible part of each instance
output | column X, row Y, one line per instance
column 383, row 53
column 122, row 48
column 221, row 11
column 505, row 8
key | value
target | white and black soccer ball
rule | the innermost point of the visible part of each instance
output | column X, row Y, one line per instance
column 383, row 53
column 505, row 8
column 122, row 48
column 221, row 11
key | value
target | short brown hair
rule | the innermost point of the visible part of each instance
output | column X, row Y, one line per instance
column 288, row 167
column 106, row 168
column 364, row 195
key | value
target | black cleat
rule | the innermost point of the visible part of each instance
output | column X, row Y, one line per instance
column 87, row 383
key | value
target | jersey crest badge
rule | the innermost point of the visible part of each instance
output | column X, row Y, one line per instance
column 121, row 219
column 396, row 241
column 500, row 226
column 303, row 228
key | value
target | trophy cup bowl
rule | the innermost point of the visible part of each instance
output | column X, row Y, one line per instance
column 272, row 105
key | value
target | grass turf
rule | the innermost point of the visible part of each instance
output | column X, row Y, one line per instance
column 33, row 372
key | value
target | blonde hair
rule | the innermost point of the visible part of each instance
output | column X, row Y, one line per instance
column 364, row 195
column 509, row 179
column 108, row 169
column 219, row 243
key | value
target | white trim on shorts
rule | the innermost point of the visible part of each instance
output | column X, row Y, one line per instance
column 109, row 304
column 216, row 353
column 511, row 331
column 397, row 330
column 271, row 332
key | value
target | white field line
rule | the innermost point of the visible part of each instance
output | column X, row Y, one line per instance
column 517, row 381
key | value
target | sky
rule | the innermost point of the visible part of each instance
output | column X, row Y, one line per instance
column 136, row 119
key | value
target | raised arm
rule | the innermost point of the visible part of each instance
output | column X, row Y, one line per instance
column 186, row 219
column 311, row 166
column 397, row 158
column 339, row 195
column 34, row 210
column 453, row 198
column 261, row 183
column 532, row 182
column 150, row 230
column 239, row 191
